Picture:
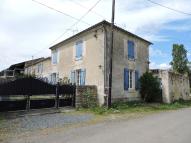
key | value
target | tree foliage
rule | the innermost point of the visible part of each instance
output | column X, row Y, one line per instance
column 180, row 61
column 150, row 88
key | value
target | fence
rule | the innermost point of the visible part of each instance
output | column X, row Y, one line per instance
column 29, row 87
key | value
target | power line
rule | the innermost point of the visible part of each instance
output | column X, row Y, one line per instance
column 77, row 3
column 73, row 24
column 179, row 11
column 77, row 21
column 58, row 11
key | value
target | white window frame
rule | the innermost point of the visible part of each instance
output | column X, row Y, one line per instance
column 131, row 79
column 83, row 50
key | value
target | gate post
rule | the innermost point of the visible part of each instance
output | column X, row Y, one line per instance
column 57, row 96
column 28, row 103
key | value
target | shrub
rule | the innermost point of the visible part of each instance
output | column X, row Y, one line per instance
column 150, row 88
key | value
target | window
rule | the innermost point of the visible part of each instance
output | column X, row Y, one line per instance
column 53, row 79
column 126, row 79
column 28, row 71
column 78, row 76
column 54, row 57
column 131, row 50
column 79, row 50
column 40, row 68
column 130, row 79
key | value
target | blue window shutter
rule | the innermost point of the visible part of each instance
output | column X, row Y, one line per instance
column 82, row 77
column 131, row 50
column 126, row 79
column 137, row 84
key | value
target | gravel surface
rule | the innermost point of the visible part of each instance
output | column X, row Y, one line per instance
column 166, row 127
column 32, row 123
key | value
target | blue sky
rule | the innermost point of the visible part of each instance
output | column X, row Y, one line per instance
column 28, row 29
column 178, row 32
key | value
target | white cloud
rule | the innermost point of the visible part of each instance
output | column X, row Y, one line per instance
column 188, row 54
column 178, row 28
column 153, row 52
column 150, row 19
column 154, row 65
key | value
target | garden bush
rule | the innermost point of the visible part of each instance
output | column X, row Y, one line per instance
column 150, row 88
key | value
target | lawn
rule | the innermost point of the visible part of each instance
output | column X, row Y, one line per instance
column 137, row 107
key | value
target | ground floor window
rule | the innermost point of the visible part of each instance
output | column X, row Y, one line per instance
column 78, row 76
column 131, row 79
column 53, row 78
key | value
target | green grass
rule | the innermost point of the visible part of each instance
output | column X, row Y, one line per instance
column 137, row 107
column 1, row 118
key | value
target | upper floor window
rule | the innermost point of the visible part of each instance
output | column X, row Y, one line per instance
column 40, row 68
column 79, row 50
column 131, row 79
column 54, row 56
column 131, row 50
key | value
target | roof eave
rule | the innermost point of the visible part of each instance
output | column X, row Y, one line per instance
column 94, row 26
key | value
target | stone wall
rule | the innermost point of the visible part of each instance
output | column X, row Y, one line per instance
column 174, row 86
column 179, row 87
column 81, row 95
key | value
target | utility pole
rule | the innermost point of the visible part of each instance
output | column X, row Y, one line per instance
column 32, row 65
column 111, row 54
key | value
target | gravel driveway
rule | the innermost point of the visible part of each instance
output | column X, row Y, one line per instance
column 167, row 127
column 32, row 123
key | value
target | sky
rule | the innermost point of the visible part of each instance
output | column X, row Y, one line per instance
column 28, row 29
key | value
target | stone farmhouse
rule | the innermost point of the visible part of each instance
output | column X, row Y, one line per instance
column 83, row 59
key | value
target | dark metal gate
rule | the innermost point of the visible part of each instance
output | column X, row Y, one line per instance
column 31, row 93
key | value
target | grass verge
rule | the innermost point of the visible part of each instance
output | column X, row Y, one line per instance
column 137, row 107
column 1, row 118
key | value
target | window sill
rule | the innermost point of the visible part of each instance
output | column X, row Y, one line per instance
column 131, row 90
column 132, row 59
column 78, row 59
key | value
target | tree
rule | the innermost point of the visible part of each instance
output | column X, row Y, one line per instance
column 180, row 61
column 150, row 88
